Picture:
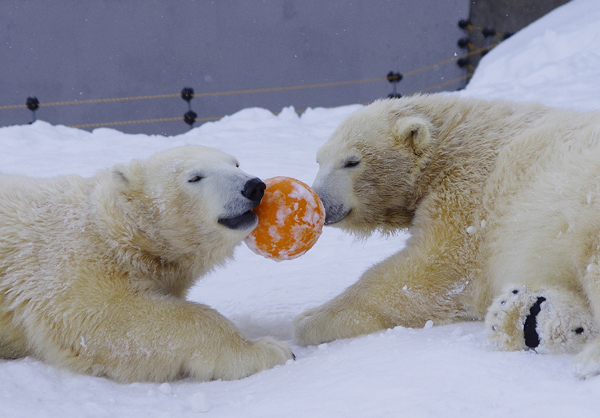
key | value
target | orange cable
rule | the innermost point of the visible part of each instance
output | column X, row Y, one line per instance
column 265, row 90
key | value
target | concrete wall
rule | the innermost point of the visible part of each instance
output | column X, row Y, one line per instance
column 69, row 50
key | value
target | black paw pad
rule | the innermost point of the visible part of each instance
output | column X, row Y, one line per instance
column 532, row 339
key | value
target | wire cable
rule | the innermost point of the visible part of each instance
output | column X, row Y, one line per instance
column 252, row 91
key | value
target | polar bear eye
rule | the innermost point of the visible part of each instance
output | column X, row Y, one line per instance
column 351, row 163
column 195, row 179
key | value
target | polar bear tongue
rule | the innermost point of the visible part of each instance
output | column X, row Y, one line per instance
column 244, row 221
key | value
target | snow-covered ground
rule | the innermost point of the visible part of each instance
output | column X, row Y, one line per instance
column 446, row 371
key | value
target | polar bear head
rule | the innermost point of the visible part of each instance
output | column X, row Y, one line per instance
column 190, row 201
column 368, row 168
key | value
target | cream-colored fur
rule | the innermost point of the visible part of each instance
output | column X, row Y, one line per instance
column 94, row 271
column 497, row 196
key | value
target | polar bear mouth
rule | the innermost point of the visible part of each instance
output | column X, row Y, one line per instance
column 244, row 221
column 336, row 214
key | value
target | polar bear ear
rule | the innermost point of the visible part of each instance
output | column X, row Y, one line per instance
column 119, row 174
column 125, row 177
column 413, row 131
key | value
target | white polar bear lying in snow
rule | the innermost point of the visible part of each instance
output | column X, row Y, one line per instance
column 94, row 271
column 502, row 201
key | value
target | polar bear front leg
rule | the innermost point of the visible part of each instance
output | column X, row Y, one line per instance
column 137, row 338
column 342, row 317
column 200, row 343
column 406, row 289
column 544, row 319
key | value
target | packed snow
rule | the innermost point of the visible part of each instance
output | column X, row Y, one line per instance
column 437, row 371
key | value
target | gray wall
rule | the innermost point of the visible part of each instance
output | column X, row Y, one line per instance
column 68, row 50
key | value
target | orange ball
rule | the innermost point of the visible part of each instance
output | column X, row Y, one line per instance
column 290, row 220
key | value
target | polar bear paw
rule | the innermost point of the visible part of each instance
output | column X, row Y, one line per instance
column 547, row 321
column 313, row 327
column 249, row 358
column 587, row 363
column 273, row 352
column 334, row 321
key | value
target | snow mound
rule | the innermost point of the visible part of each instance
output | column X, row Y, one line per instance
column 554, row 61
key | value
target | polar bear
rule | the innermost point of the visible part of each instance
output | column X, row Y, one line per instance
column 502, row 201
column 94, row 271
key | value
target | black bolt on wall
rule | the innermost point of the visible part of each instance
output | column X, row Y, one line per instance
column 190, row 116
column 486, row 33
column 394, row 78
column 32, row 104
column 464, row 43
column 463, row 62
column 465, row 24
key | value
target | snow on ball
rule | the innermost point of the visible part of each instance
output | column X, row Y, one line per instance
column 290, row 220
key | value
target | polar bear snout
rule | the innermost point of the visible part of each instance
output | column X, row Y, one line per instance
column 333, row 189
column 239, row 214
column 254, row 190
column 334, row 213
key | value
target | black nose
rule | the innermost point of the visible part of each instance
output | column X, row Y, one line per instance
column 254, row 190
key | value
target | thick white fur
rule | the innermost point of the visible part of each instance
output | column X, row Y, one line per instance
column 496, row 195
column 94, row 271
